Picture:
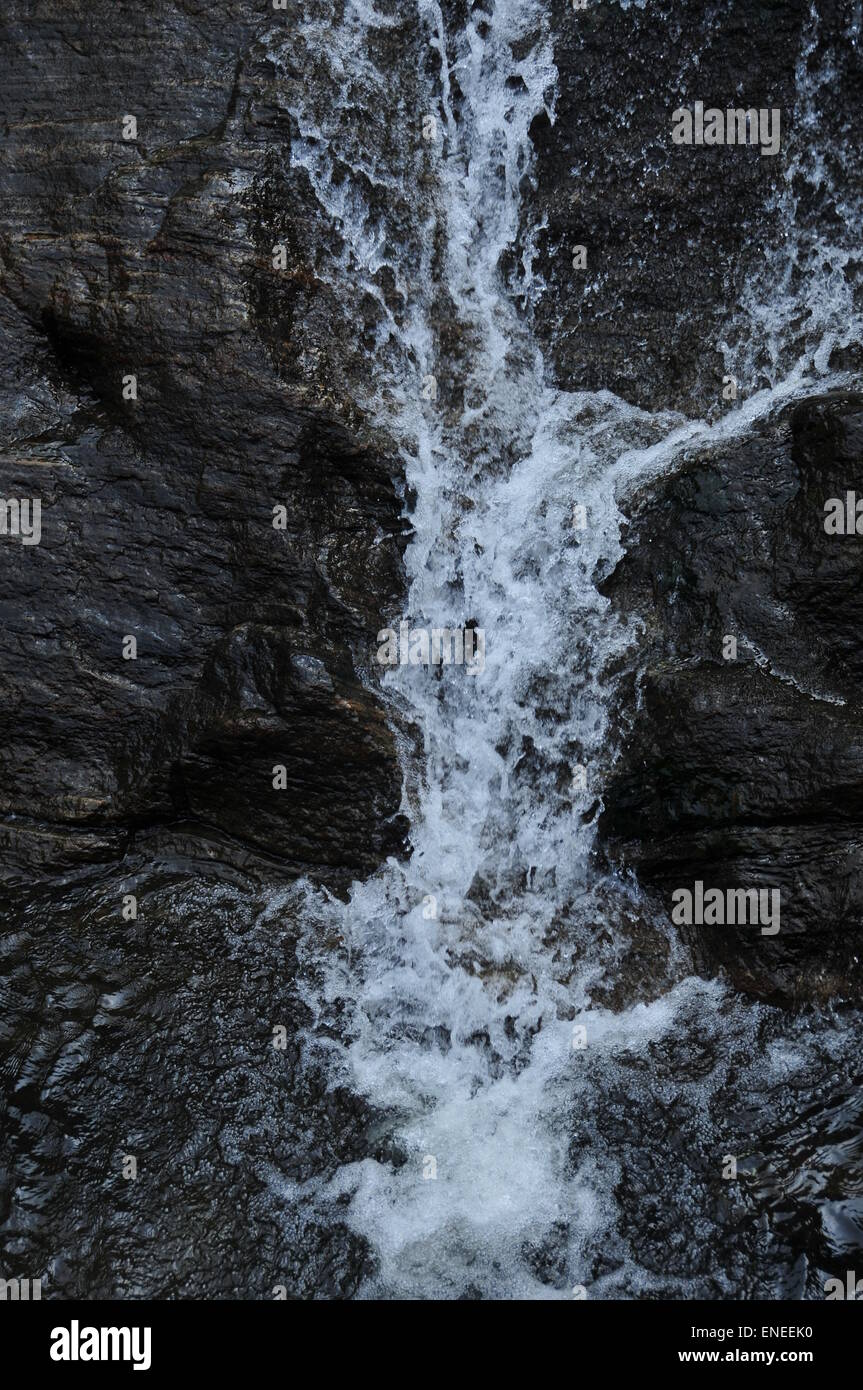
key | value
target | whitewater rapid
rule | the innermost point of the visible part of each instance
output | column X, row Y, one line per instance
column 463, row 986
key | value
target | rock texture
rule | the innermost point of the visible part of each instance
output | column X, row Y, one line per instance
column 152, row 257
column 153, row 1039
column 747, row 772
column 676, row 235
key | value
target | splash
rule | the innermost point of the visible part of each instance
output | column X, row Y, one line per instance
column 462, row 996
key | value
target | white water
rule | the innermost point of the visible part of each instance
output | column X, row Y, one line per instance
column 460, row 1024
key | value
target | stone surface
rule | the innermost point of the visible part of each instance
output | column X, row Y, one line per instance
column 153, row 1039
column 677, row 235
column 747, row 772
column 152, row 257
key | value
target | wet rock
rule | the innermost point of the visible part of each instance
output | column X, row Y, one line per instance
column 746, row 772
column 151, row 258
column 676, row 235
column 154, row 1039
column 751, row 1129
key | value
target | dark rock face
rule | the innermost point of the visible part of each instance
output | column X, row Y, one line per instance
column 153, row 1040
column 746, row 772
column 153, row 1037
column 793, row 1216
column 152, row 258
column 674, row 234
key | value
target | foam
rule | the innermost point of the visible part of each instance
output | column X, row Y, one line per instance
column 459, row 1027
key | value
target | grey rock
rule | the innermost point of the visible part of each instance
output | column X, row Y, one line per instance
column 746, row 772
column 152, row 257
column 153, row 1039
column 675, row 234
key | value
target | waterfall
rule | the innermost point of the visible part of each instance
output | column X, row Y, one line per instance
column 459, row 1003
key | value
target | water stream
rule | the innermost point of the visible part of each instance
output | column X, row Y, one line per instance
column 525, row 1124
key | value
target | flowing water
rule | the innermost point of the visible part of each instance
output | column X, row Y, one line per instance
column 520, row 1162
column 458, row 1094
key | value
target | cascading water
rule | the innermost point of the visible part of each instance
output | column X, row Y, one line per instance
column 455, row 1004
